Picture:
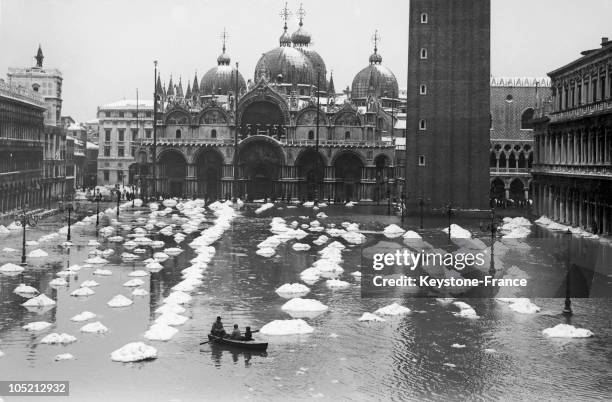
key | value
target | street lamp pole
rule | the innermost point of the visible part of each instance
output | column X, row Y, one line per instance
column 69, row 207
column 316, row 194
column 154, row 132
column 421, row 205
column 235, row 167
column 567, row 309
column 118, row 202
column 25, row 219
column 98, row 197
column 449, row 212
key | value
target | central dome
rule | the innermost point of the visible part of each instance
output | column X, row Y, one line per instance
column 293, row 65
column 375, row 79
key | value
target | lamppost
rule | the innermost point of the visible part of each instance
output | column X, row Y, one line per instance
column 133, row 196
column 69, row 207
column 388, row 190
column 493, row 228
column 421, row 205
column 567, row 309
column 98, row 198
column 449, row 212
column 403, row 205
column 118, row 202
column 25, row 219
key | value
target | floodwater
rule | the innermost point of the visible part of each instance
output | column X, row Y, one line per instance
column 409, row 357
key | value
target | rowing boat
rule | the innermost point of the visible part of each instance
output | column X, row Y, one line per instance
column 251, row 345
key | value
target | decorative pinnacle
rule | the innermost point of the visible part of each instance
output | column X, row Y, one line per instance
column 224, row 37
column 301, row 13
column 285, row 14
column 376, row 39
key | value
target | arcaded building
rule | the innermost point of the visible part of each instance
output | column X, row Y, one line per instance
column 513, row 103
column 448, row 103
column 572, row 170
column 284, row 133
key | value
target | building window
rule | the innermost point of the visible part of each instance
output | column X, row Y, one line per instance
column 424, row 18
column 121, row 114
column 311, row 135
column 120, row 151
column 213, row 134
column 594, row 91
column 422, row 124
column 421, row 160
column 107, row 114
column 178, row 133
column 106, row 176
column 148, row 114
column 347, row 135
column 526, row 118
column 509, row 98
column 423, row 53
column 121, row 134
column 148, row 133
column 120, row 176
column 106, row 151
column 107, row 135
column 134, row 134
column 133, row 151
column 423, row 89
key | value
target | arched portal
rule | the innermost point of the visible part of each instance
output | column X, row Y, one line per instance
column 172, row 173
column 209, row 166
column 263, row 118
column 382, row 172
column 311, row 171
column 260, row 161
column 497, row 190
column 348, row 169
column 517, row 190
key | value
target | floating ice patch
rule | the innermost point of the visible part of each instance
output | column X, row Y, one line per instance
column 289, row 290
column 55, row 338
column 286, row 327
column 321, row 215
column 102, row 272
column 115, row 239
column 299, row 304
column 84, row 316
column 66, row 273
column 132, row 283
column 393, row 231
column 84, row 291
column 170, row 308
column 138, row 273
column 457, row 232
column 96, row 260
column 94, row 328
column 89, row 284
column 37, row 326
column 134, row 352
column 356, row 274
column 354, row 237
column 170, row 318
column 410, row 234
column 266, row 252
column 39, row 301
column 119, row 301
column 370, row 317
column 173, row 251
column 264, row 207
column 177, row 297
column 4, row 230
column 154, row 266
column 567, row 331
column 25, row 289
column 38, row 253
column 300, row 247
column 336, row 284
column 31, row 243
column 9, row 250
column 63, row 356
column 58, row 282
column 465, row 310
column 11, row 268
column 139, row 292
column 392, row 309
column 350, row 204
column 160, row 256
column 520, row 305
column 160, row 332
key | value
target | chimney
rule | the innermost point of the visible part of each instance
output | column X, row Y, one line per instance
column 604, row 41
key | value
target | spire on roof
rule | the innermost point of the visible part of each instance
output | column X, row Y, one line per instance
column 158, row 86
column 188, row 91
column 195, row 87
column 330, row 87
column 223, row 59
column 179, row 88
column 375, row 58
column 170, row 90
column 39, row 57
column 285, row 39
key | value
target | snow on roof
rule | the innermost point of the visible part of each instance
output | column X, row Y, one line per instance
column 75, row 127
column 91, row 145
column 128, row 104
column 400, row 125
column 93, row 121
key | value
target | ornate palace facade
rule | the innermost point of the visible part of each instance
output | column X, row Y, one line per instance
column 285, row 133
column 573, row 165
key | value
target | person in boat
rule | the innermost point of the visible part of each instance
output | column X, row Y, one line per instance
column 236, row 333
column 248, row 335
column 217, row 328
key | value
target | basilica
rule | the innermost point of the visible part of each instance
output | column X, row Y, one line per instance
column 286, row 133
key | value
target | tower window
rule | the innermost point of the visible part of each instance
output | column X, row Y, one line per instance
column 421, row 160
column 424, row 18
column 213, row 134
column 423, row 53
column 178, row 133
column 347, row 135
column 423, row 89
column 526, row 118
column 311, row 135
column 422, row 124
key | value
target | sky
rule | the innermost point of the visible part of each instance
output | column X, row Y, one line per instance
column 105, row 48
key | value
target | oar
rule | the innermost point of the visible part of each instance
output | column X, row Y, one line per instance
column 205, row 342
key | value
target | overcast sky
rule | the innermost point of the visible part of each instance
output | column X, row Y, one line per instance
column 105, row 48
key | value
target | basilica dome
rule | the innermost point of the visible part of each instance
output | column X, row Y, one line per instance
column 375, row 79
column 221, row 80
